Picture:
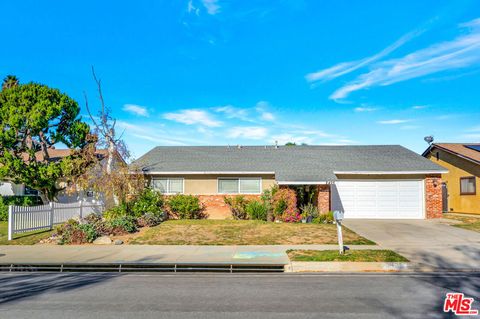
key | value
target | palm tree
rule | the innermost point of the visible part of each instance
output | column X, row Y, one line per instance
column 10, row 81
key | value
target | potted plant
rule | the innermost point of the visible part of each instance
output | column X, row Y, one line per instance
column 309, row 212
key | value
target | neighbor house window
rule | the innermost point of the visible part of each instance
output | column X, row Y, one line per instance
column 168, row 185
column 467, row 186
column 245, row 185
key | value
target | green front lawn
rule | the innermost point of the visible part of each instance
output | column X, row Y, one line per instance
column 467, row 222
column 350, row 255
column 21, row 239
column 242, row 232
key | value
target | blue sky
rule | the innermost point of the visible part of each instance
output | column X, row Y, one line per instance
column 217, row 72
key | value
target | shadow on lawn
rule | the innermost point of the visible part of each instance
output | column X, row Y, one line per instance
column 16, row 287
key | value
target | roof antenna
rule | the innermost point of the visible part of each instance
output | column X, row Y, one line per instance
column 276, row 144
column 428, row 139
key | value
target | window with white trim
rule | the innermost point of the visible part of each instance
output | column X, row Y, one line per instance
column 168, row 185
column 243, row 185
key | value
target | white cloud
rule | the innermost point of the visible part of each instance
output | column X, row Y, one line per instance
column 474, row 129
column 248, row 132
column 461, row 52
column 446, row 117
column 419, row 107
column 316, row 133
column 212, row 6
column 136, row 109
column 347, row 67
column 392, row 122
column 191, row 8
column 232, row 112
column 190, row 117
column 264, row 114
column 365, row 109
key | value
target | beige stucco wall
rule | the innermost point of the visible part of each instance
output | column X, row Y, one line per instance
column 458, row 167
column 207, row 184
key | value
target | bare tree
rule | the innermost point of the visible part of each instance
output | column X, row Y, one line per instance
column 105, row 128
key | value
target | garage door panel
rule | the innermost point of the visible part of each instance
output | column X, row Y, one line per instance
column 379, row 198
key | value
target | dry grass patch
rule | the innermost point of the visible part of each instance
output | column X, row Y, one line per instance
column 243, row 232
column 367, row 255
column 467, row 222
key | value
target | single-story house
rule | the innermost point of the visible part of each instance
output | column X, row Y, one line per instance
column 462, row 160
column 378, row 181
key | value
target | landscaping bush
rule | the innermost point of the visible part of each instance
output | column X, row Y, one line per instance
column 267, row 199
column 148, row 202
column 186, row 207
column 237, row 205
column 116, row 212
column 122, row 225
column 256, row 210
column 5, row 201
column 326, row 218
column 150, row 220
column 309, row 210
column 285, row 205
column 72, row 232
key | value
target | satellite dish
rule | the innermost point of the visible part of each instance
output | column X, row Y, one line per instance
column 428, row 139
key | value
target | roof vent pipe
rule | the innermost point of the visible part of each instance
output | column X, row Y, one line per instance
column 239, row 146
column 276, row 144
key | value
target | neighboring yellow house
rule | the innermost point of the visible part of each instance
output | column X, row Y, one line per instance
column 460, row 184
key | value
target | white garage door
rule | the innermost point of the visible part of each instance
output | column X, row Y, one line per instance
column 379, row 198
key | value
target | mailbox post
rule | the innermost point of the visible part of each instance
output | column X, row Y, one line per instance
column 338, row 216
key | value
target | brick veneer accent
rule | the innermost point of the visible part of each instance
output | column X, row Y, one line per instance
column 216, row 208
column 433, row 196
column 323, row 199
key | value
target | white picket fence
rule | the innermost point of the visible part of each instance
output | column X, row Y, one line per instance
column 23, row 219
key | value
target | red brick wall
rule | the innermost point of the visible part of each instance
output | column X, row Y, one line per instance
column 323, row 198
column 433, row 196
column 216, row 208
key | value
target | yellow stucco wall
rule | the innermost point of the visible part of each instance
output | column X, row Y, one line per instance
column 207, row 184
column 458, row 167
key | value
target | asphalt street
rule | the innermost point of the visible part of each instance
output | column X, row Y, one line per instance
column 96, row 295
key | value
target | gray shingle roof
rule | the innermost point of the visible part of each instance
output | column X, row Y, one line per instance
column 289, row 163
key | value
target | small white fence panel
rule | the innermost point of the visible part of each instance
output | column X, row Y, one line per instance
column 23, row 219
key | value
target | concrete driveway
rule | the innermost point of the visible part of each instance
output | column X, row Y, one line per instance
column 426, row 242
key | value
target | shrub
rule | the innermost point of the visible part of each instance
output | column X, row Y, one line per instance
column 150, row 219
column 186, row 207
column 116, row 212
column 256, row 210
column 5, row 201
column 309, row 210
column 122, row 225
column 285, row 205
column 72, row 232
column 267, row 199
column 326, row 218
column 148, row 202
column 237, row 205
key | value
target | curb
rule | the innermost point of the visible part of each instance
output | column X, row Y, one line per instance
column 332, row 266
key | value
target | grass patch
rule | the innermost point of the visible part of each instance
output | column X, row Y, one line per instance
column 350, row 255
column 243, row 232
column 467, row 222
column 30, row 238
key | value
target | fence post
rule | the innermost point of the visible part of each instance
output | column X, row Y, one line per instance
column 52, row 214
column 81, row 209
column 10, row 222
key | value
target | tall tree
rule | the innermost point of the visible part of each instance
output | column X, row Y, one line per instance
column 114, row 178
column 10, row 81
column 33, row 118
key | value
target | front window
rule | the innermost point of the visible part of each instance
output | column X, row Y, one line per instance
column 467, row 186
column 168, row 185
column 240, row 185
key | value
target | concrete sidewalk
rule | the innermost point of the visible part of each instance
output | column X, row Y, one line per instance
column 155, row 254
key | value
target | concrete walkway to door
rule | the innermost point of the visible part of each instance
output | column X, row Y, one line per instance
column 431, row 243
